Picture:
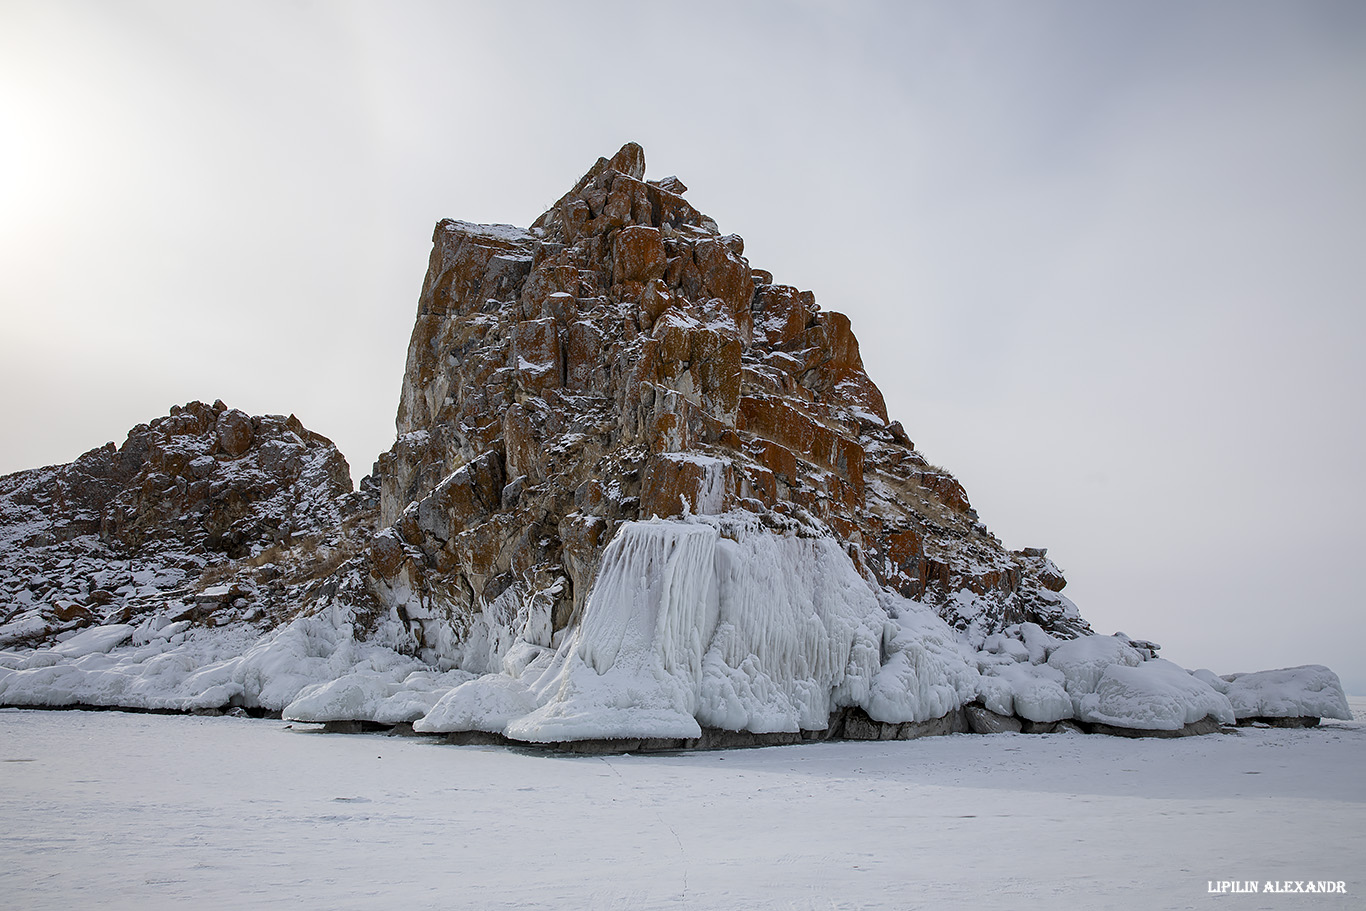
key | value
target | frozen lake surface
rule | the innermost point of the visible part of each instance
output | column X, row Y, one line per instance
column 112, row 810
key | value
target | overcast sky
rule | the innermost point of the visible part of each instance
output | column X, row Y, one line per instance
column 1105, row 260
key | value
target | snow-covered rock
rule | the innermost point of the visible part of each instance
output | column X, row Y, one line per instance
column 398, row 695
column 640, row 491
column 1155, row 695
column 1084, row 660
column 95, row 640
column 487, row 703
column 1034, row 692
column 1309, row 691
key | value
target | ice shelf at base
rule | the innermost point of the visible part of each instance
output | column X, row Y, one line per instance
column 710, row 621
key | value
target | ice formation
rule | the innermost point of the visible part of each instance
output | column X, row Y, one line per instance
column 705, row 622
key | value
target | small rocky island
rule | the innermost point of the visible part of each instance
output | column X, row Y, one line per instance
column 642, row 496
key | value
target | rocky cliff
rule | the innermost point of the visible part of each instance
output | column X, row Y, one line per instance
column 642, row 494
column 621, row 359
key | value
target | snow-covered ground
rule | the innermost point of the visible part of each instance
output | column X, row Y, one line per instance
column 113, row 810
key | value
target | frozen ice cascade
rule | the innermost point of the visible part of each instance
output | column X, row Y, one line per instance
column 716, row 622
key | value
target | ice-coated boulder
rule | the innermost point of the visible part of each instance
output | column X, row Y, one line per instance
column 1084, row 660
column 1034, row 692
column 1153, row 695
column 1310, row 691
column 488, row 703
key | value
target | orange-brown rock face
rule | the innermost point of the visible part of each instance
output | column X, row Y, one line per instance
column 620, row 359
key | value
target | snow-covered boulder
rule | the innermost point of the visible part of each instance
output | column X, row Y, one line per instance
column 487, row 703
column 985, row 721
column 1309, row 691
column 926, row 672
column 394, row 697
column 1155, row 695
column 1084, row 660
column 1034, row 692
column 95, row 640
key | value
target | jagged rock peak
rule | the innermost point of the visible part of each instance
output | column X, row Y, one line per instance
column 629, row 160
column 599, row 202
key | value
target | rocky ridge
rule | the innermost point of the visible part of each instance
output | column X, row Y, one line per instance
column 206, row 515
